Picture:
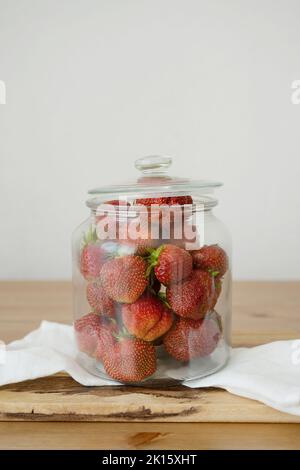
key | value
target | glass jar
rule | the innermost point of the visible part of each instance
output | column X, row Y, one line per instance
column 152, row 280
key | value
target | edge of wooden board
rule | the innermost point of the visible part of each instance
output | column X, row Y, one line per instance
column 60, row 398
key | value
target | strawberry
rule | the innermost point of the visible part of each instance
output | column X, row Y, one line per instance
column 168, row 201
column 171, row 264
column 165, row 210
column 130, row 360
column 124, row 278
column 87, row 330
column 93, row 334
column 192, row 298
column 189, row 339
column 117, row 202
column 157, row 201
column 147, row 318
column 99, row 300
column 182, row 200
column 91, row 260
column 211, row 258
column 92, row 256
column 106, row 339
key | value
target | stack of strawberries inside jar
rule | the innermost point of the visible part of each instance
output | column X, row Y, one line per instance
column 152, row 307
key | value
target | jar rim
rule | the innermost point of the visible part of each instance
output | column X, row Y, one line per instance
column 204, row 202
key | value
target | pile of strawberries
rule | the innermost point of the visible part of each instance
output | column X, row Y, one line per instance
column 148, row 297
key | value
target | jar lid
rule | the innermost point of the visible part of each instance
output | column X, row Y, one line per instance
column 155, row 181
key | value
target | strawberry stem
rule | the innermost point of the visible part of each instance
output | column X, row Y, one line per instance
column 153, row 258
column 162, row 296
column 123, row 334
column 90, row 236
column 213, row 273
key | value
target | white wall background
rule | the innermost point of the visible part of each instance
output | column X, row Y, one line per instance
column 94, row 84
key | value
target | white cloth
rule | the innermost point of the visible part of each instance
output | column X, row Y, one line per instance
column 269, row 373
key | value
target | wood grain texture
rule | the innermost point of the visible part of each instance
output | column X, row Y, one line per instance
column 59, row 398
column 262, row 312
column 179, row 436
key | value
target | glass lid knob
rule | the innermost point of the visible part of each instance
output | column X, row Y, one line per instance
column 153, row 163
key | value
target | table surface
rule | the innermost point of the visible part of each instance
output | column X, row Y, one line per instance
column 262, row 312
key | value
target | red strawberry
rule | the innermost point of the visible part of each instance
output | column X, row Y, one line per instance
column 87, row 330
column 147, row 318
column 130, row 360
column 91, row 261
column 124, row 279
column 211, row 258
column 158, row 201
column 168, row 201
column 192, row 298
column 93, row 334
column 171, row 264
column 106, row 339
column 159, row 210
column 91, row 256
column 117, row 202
column 189, row 339
column 99, row 300
column 182, row 200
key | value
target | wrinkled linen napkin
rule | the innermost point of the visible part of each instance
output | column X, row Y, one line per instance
column 269, row 373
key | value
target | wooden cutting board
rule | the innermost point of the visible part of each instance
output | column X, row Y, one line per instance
column 60, row 398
